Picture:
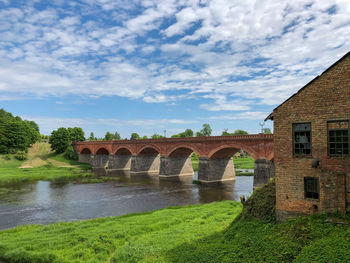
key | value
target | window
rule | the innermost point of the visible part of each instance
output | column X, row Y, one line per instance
column 302, row 138
column 311, row 187
column 338, row 138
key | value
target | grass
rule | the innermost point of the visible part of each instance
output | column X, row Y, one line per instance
column 41, row 167
column 212, row 232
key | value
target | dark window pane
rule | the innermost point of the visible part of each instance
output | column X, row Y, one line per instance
column 311, row 187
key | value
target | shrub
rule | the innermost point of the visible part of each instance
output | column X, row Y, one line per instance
column 21, row 155
column 70, row 153
column 262, row 203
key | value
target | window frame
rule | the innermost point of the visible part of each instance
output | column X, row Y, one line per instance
column 328, row 142
column 306, row 178
column 300, row 155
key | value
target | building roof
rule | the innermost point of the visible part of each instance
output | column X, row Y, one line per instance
column 270, row 117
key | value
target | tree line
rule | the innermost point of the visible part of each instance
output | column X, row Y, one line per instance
column 16, row 135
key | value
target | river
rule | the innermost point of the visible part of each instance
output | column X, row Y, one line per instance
column 45, row 202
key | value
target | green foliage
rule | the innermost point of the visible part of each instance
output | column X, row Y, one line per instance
column 16, row 134
column 60, row 140
column 76, row 134
column 236, row 132
column 92, row 137
column 267, row 131
column 134, row 136
column 70, row 154
column 206, row 131
column 199, row 233
column 262, row 203
column 157, row 136
column 21, row 155
column 116, row 136
column 186, row 133
column 108, row 136
column 144, row 137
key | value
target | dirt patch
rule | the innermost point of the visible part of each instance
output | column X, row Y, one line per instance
column 59, row 164
column 36, row 162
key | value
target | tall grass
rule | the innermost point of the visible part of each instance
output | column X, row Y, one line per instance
column 199, row 233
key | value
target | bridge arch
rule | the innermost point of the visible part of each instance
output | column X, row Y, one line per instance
column 85, row 151
column 149, row 150
column 230, row 149
column 182, row 150
column 123, row 150
column 102, row 151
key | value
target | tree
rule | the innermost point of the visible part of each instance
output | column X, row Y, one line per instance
column 108, row 137
column 76, row 134
column 144, row 137
column 16, row 134
column 267, row 131
column 186, row 133
column 206, row 131
column 240, row 132
column 116, row 136
column 60, row 140
column 157, row 136
column 236, row 132
column 134, row 136
column 92, row 137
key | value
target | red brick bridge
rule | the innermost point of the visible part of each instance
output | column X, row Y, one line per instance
column 171, row 157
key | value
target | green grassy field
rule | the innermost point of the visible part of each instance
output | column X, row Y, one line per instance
column 198, row 233
column 41, row 165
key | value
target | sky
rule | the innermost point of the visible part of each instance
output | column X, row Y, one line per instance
column 147, row 66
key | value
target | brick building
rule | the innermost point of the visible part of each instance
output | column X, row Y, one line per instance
column 311, row 145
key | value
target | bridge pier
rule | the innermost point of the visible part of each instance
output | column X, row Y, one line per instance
column 118, row 164
column 216, row 170
column 263, row 171
column 84, row 158
column 174, row 167
column 145, row 164
column 99, row 162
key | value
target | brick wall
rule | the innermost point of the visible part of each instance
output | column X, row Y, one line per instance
column 325, row 98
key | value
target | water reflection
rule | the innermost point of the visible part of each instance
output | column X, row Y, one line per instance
column 45, row 202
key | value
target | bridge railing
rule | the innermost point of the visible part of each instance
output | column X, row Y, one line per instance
column 192, row 139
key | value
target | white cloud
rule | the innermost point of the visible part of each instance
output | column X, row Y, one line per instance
column 253, row 51
column 248, row 115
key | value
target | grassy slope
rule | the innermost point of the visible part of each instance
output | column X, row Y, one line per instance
column 39, row 157
column 199, row 233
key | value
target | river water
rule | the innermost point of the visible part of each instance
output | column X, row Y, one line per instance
column 45, row 202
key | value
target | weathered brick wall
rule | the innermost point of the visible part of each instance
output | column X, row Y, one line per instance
column 326, row 98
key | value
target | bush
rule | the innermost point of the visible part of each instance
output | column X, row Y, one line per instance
column 262, row 203
column 71, row 154
column 21, row 155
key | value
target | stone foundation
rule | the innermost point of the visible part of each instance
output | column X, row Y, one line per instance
column 119, row 162
column 171, row 167
column 263, row 171
column 99, row 161
column 216, row 170
column 145, row 164
column 84, row 158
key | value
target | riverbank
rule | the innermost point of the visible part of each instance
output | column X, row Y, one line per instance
column 198, row 233
column 42, row 164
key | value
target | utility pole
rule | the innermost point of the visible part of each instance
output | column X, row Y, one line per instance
column 262, row 124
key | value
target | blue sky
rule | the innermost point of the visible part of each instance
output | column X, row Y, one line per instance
column 146, row 66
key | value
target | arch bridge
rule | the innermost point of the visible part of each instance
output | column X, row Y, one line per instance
column 171, row 157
